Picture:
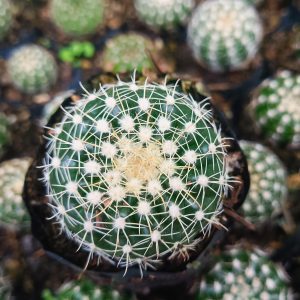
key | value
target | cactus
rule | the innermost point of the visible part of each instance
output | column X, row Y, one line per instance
column 4, row 133
column 5, row 18
column 241, row 274
column 127, row 52
column 268, row 182
column 77, row 17
column 12, row 174
column 32, row 69
column 225, row 35
column 276, row 108
column 163, row 13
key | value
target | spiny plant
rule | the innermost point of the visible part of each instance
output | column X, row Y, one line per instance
column 135, row 175
column 77, row 17
column 32, row 69
column 12, row 174
column 4, row 132
column 225, row 35
column 5, row 18
column 163, row 13
column 127, row 52
column 276, row 108
column 241, row 274
column 268, row 182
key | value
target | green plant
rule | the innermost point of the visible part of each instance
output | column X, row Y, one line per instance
column 77, row 17
column 4, row 132
column 163, row 13
column 225, row 35
column 5, row 18
column 241, row 274
column 127, row 52
column 32, row 69
column 268, row 182
column 276, row 108
column 12, row 174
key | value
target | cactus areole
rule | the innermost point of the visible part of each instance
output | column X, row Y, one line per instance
column 134, row 176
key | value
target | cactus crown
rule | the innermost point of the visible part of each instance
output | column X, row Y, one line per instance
column 163, row 13
column 268, row 182
column 136, row 171
column 32, row 69
column 224, row 35
column 277, row 108
column 5, row 18
column 77, row 17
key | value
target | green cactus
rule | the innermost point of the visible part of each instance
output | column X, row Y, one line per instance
column 241, row 274
column 77, row 17
column 5, row 17
column 32, row 69
column 137, row 172
column 163, row 13
column 268, row 182
column 4, row 133
column 127, row 52
column 12, row 174
column 277, row 110
column 225, row 35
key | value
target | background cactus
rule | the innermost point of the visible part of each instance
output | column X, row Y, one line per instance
column 241, row 274
column 32, row 69
column 225, row 35
column 76, row 17
column 277, row 110
column 268, row 182
column 127, row 52
column 12, row 174
column 4, row 133
column 163, row 13
column 5, row 18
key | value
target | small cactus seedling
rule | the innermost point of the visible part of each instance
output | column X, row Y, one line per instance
column 163, row 13
column 77, row 17
column 277, row 109
column 5, row 18
column 240, row 274
column 12, row 174
column 127, row 52
column 268, row 182
column 4, row 133
column 225, row 35
column 32, row 69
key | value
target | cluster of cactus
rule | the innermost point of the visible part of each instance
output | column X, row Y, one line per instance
column 136, row 172
column 163, row 13
column 277, row 110
column 77, row 17
column 225, row 35
column 32, row 69
column 4, row 132
column 241, row 274
column 268, row 182
column 12, row 174
column 127, row 52
column 5, row 17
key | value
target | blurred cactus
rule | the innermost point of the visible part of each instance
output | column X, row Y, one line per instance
column 277, row 109
column 77, row 17
column 225, row 35
column 268, row 182
column 32, row 69
column 12, row 174
column 241, row 274
column 5, row 17
column 4, row 133
column 163, row 13
column 127, row 52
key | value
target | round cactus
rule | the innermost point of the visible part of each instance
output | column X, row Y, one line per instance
column 32, row 69
column 240, row 274
column 12, row 174
column 4, row 132
column 5, row 18
column 225, row 35
column 277, row 110
column 127, row 52
column 268, row 182
column 163, row 13
column 77, row 17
